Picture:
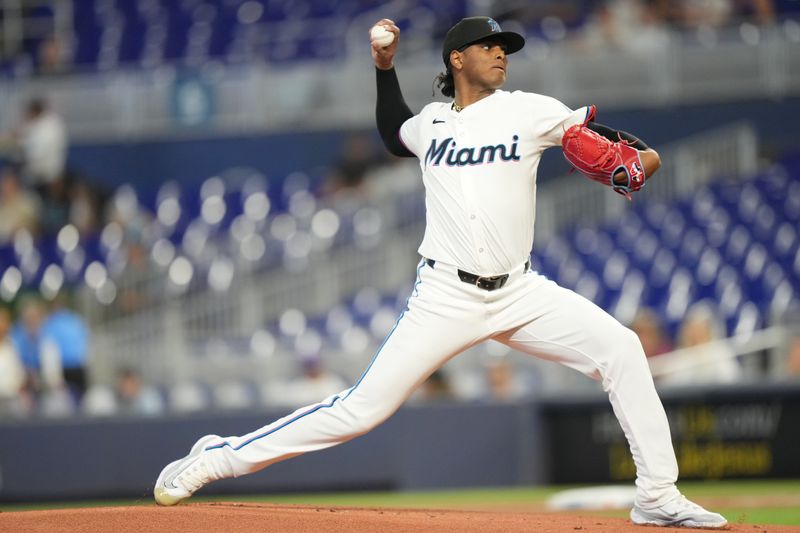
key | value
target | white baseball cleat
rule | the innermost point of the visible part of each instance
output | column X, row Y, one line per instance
column 182, row 478
column 679, row 512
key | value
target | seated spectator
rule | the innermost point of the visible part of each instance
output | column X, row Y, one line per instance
column 359, row 156
column 12, row 374
column 187, row 397
column 503, row 384
column 56, row 206
column 436, row 388
column 790, row 366
column 86, row 204
column 52, row 57
column 648, row 327
column 19, row 209
column 66, row 332
column 607, row 27
column 53, row 349
column 43, row 371
column 703, row 358
column 315, row 383
column 136, row 398
column 496, row 379
column 99, row 400
column 793, row 361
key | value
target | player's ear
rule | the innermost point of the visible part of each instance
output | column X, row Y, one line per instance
column 456, row 59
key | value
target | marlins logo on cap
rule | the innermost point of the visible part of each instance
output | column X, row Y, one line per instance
column 475, row 29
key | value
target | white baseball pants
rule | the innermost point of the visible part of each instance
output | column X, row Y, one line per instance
column 445, row 316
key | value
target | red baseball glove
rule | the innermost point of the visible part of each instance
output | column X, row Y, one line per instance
column 601, row 159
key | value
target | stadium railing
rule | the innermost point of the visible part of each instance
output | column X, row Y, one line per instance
column 170, row 338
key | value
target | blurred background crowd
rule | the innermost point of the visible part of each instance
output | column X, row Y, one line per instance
column 196, row 212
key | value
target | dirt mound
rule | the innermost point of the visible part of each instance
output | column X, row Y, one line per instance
column 265, row 518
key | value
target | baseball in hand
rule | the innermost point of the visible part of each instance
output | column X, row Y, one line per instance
column 381, row 36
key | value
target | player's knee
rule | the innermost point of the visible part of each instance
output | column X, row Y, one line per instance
column 620, row 347
column 368, row 422
column 616, row 342
column 628, row 349
column 632, row 343
column 622, row 352
column 367, row 418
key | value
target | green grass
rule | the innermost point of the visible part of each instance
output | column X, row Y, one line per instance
column 740, row 510
column 422, row 499
column 763, row 515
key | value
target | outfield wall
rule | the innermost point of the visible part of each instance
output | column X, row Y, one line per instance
column 420, row 447
column 734, row 432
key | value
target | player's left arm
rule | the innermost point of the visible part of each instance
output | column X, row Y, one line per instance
column 650, row 159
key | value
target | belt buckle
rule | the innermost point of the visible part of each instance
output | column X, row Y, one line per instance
column 492, row 282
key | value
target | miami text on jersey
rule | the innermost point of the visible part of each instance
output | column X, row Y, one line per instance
column 469, row 155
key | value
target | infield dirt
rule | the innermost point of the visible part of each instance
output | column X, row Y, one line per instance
column 266, row 518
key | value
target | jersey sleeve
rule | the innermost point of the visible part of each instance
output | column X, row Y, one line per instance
column 410, row 133
column 552, row 118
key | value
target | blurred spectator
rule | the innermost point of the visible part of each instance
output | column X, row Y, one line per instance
column 790, row 321
column 55, row 208
column 52, row 57
column 713, row 13
column 99, row 400
column 187, row 397
column 631, row 26
column 12, row 374
column 710, row 361
column 136, row 398
column 43, row 369
column 721, row 13
column 86, row 203
column 359, row 156
column 66, row 333
column 56, row 403
column 315, row 383
column 793, row 361
column 436, row 388
column 650, row 330
column 495, row 379
column 19, row 209
column 502, row 382
column 41, row 141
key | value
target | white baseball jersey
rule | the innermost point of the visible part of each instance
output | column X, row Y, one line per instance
column 479, row 169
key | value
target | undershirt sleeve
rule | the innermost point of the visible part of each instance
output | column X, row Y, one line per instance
column 615, row 135
column 391, row 111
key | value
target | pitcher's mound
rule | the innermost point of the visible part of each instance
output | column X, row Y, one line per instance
column 265, row 518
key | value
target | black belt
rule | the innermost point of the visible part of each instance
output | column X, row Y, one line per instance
column 491, row 283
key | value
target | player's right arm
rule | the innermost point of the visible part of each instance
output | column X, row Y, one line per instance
column 391, row 110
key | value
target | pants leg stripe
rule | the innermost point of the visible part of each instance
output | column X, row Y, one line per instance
column 337, row 397
column 413, row 293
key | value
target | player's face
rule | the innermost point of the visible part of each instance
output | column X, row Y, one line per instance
column 485, row 63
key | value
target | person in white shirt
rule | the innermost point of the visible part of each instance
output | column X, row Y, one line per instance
column 42, row 141
column 478, row 154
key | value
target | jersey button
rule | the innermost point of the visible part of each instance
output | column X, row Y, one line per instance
column 472, row 217
column 480, row 250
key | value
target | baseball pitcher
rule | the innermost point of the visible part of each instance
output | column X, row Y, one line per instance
column 478, row 155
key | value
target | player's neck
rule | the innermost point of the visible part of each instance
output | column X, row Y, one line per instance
column 467, row 97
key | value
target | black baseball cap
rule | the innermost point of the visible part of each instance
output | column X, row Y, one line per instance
column 471, row 30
